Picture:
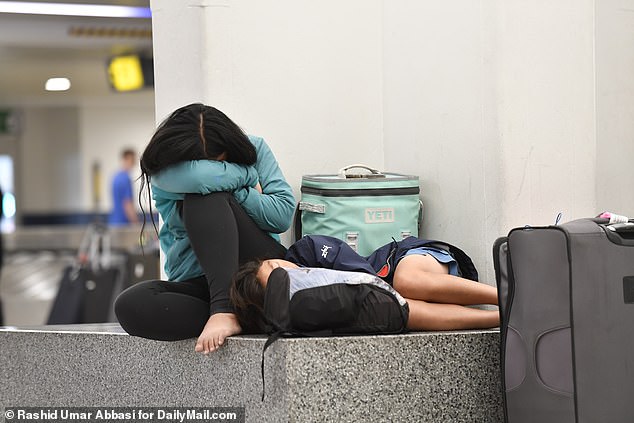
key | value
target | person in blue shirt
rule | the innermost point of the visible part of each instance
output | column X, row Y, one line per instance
column 123, row 211
column 223, row 199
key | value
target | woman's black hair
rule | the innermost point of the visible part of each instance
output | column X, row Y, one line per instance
column 247, row 297
column 193, row 132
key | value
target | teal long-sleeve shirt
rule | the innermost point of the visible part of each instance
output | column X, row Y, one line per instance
column 272, row 210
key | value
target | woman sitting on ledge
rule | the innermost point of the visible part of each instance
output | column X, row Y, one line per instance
column 428, row 275
column 223, row 200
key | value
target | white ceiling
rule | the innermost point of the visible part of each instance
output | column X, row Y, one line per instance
column 34, row 48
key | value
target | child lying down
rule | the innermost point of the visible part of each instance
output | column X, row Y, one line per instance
column 340, row 291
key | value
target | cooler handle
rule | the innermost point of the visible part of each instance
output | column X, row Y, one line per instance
column 374, row 173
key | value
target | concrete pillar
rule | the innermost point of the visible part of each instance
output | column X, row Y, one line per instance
column 492, row 104
column 184, row 54
column 614, row 52
column 509, row 111
column 304, row 75
column 546, row 110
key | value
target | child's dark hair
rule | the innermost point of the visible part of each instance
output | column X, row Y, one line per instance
column 193, row 132
column 247, row 296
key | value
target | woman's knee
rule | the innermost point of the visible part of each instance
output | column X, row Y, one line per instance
column 133, row 307
column 126, row 303
column 161, row 310
column 204, row 200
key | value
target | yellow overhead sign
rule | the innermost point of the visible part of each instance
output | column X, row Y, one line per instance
column 126, row 73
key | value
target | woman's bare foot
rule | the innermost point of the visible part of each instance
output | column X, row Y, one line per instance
column 218, row 327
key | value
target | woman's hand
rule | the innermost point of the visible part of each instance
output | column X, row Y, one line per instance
column 258, row 188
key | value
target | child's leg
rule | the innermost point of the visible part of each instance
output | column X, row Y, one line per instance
column 432, row 316
column 422, row 277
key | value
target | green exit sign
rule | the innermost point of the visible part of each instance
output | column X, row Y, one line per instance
column 8, row 122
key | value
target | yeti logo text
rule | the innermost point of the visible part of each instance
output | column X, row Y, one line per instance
column 383, row 215
column 324, row 251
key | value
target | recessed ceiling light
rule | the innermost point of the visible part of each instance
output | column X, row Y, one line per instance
column 71, row 9
column 57, row 84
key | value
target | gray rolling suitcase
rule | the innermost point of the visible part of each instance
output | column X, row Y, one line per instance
column 566, row 297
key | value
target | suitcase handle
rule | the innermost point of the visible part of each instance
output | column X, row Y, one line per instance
column 620, row 233
column 343, row 172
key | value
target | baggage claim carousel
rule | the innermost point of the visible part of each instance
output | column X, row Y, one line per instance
column 35, row 259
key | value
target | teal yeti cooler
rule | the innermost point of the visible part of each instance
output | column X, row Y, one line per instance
column 366, row 210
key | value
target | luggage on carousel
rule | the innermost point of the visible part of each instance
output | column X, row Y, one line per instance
column 88, row 286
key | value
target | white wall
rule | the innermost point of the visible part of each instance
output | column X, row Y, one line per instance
column 492, row 105
column 547, row 110
column 498, row 106
column 615, row 105
column 440, row 116
column 304, row 75
column 308, row 77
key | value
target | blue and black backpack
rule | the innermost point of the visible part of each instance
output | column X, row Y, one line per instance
column 326, row 302
column 314, row 301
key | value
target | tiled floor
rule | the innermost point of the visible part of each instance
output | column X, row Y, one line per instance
column 29, row 283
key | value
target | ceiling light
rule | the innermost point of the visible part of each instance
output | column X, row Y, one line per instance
column 71, row 9
column 57, row 84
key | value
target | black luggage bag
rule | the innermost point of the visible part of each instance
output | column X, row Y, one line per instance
column 87, row 288
column 566, row 297
column 84, row 296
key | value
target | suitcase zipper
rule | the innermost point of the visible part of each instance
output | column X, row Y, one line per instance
column 359, row 192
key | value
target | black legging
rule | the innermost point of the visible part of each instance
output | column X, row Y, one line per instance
column 222, row 237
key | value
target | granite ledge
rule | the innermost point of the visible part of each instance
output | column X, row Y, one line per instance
column 424, row 376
